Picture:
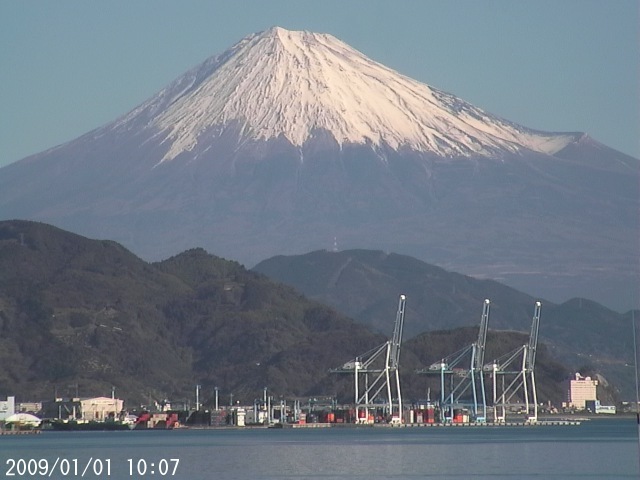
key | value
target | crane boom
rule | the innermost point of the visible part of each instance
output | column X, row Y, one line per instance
column 396, row 340
column 482, row 337
column 533, row 339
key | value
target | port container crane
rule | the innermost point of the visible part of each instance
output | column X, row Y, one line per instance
column 522, row 384
column 383, row 364
column 456, row 382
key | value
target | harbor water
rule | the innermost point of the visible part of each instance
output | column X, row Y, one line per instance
column 596, row 449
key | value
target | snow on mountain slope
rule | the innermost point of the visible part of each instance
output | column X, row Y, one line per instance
column 289, row 83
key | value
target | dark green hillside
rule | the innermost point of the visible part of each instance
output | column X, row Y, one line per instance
column 247, row 332
column 75, row 311
column 81, row 311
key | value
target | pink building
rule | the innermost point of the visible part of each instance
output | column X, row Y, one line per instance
column 580, row 390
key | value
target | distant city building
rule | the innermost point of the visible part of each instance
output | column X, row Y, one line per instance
column 581, row 389
column 238, row 416
column 29, row 407
column 7, row 408
column 100, row 409
column 91, row 409
column 594, row 406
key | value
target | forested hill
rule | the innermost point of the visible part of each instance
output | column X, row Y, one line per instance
column 75, row 311
column 81, row 315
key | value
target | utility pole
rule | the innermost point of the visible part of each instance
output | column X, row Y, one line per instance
column 269, row 410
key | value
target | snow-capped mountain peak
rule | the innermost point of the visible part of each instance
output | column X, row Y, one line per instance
column 281, row 83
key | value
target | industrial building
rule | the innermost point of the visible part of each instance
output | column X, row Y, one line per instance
column 7, row 408
column 593, row 406
column 99, row 409
column 580, row 390
column 95, row 409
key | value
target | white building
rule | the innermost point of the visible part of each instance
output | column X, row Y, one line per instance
column 100, row 409
column 7, row 408
column 239, row 415
column 581, row 389
column 594, row 407
column 28, row 407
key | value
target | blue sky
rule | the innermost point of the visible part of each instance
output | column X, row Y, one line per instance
column 69, row 66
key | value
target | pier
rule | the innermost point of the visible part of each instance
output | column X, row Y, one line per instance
column 555, row 423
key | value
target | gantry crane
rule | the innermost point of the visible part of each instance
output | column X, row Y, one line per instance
column 383, row 364
column 523, row 381
column 452, row 393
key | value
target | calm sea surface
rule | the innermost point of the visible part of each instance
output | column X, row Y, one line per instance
column 597, row 449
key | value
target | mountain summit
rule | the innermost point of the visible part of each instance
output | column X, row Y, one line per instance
column 292, row 84
column 293, row 141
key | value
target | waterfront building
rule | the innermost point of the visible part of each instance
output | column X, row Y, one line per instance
column 580, row 390
column 29, row 407
column 100, row 409
column 7, row 408
column 594, row 406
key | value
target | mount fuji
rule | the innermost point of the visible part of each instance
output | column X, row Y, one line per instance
column 294, row 141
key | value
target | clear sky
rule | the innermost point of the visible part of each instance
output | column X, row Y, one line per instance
column 67, row 67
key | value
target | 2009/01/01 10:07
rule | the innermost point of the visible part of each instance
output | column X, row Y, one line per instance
column 93, row 467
